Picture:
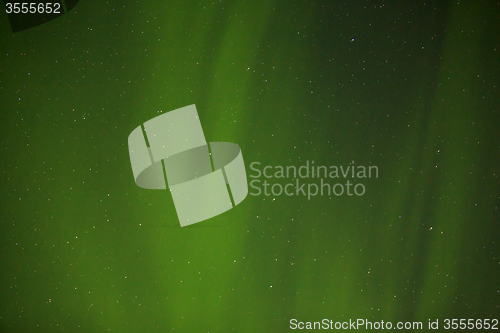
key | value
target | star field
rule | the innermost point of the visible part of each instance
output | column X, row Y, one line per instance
column 411, row 87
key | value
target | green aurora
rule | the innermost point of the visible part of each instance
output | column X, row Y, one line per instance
column 410, row 87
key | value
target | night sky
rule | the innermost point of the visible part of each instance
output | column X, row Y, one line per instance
column 411, row 87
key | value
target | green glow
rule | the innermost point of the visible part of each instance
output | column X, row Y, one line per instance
column 412, row 89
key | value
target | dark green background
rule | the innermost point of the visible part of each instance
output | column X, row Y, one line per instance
column 411, row 87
